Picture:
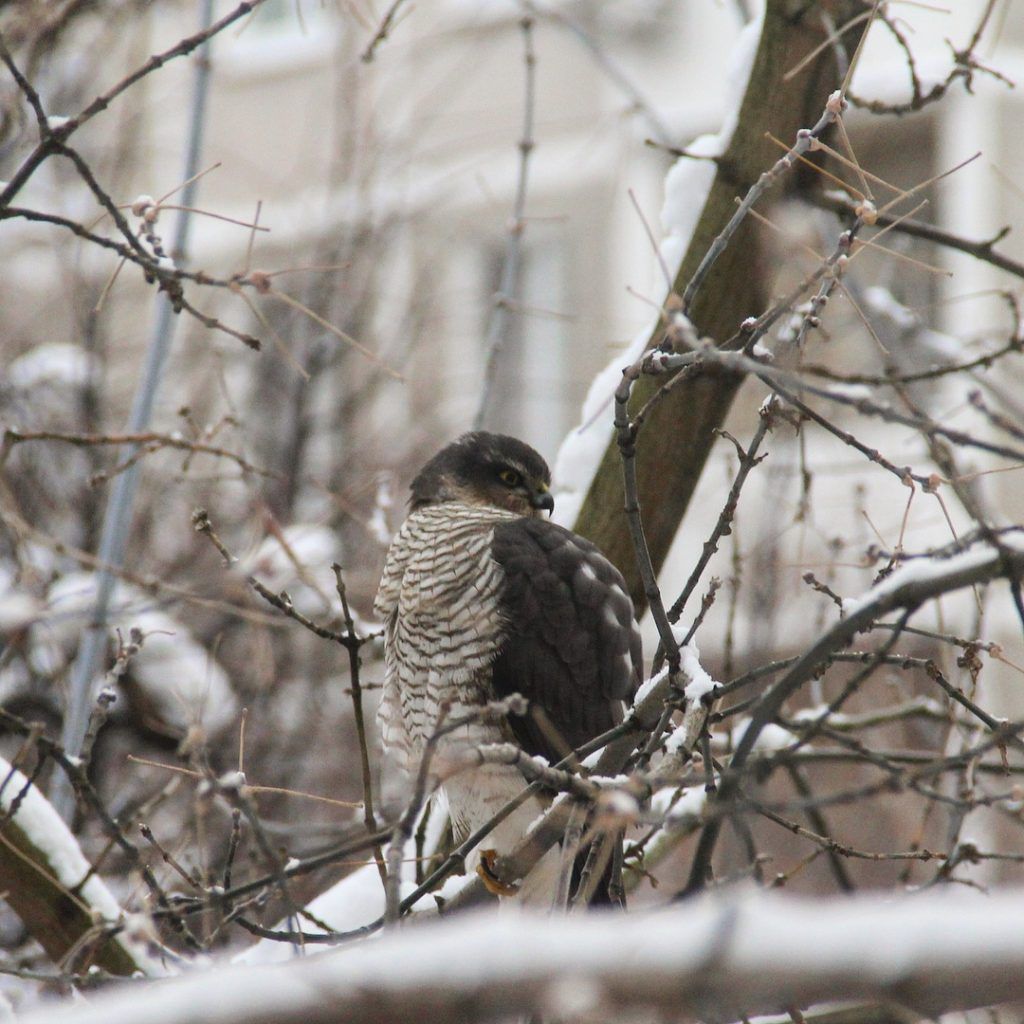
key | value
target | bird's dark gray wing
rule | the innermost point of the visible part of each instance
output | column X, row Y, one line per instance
column 572, row 646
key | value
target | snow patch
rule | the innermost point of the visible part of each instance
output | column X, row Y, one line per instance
column 943, row 346
column 182, row 679
column 56, row 362
column 700, row 683
column 354, row 902
column 384, row 501
column 17, row 610
column 674, row 805
column 648, row 686
column 299, row 561
column 853, row 391
column 771, row 738
column 924, row 570
column 881, row 301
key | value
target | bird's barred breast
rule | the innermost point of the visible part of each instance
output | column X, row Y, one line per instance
column 440, row 595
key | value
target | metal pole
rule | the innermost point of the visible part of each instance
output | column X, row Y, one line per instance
column 118, row 515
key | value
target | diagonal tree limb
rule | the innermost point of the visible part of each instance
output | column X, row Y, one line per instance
column 679, row 433
column 48, row 883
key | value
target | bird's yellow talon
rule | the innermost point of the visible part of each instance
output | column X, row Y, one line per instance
column 492, row 883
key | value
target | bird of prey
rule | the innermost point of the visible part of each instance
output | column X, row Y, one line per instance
column 482, row 597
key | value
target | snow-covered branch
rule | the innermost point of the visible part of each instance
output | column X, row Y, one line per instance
column 714, row 958
column 60, row 899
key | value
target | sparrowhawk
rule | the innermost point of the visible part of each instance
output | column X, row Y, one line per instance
column 482, row 598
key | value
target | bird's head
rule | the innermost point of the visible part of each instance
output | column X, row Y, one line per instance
column 486, row 469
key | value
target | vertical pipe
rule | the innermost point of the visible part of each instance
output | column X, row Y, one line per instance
column 118, row 515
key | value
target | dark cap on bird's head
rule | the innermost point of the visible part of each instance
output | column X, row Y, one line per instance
column 481, row 468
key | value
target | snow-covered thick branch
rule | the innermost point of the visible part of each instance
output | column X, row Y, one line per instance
column 716, row 958
column 55, row 891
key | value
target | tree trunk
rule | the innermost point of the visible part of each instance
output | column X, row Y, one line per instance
column 677, row 438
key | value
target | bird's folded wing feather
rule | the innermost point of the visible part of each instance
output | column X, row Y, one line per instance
column 572, row 646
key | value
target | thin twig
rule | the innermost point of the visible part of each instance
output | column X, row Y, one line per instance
column 508, row 289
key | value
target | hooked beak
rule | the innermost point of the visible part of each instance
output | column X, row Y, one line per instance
column 543, row 500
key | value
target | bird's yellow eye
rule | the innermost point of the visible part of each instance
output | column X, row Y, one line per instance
column 510, row 477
